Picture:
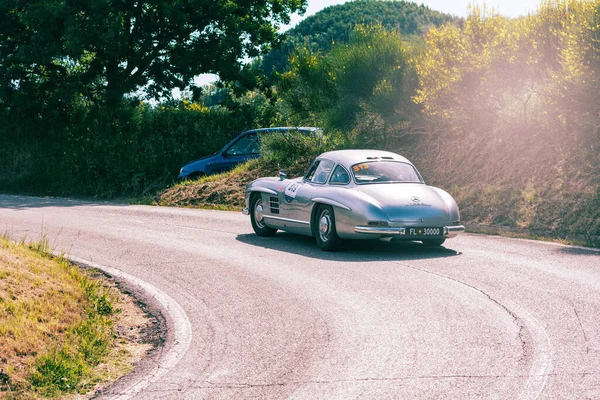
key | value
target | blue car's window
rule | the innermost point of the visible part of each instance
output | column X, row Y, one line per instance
column 385, row 172
column 340, row 176
column 248, row 144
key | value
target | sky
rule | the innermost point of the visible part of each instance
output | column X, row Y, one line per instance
column 509, row 8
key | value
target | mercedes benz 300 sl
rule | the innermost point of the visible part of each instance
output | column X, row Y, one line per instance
column 354, row 194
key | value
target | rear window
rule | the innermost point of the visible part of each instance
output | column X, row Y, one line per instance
column 385, row 172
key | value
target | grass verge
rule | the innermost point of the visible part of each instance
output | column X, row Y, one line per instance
column 221, row 192
column 224, row 191
column 60, row 326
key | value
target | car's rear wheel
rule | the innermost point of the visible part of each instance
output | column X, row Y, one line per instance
column 257, row 217
column 325, row 232
column 433, row 242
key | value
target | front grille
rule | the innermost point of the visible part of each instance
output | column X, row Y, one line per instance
column 274, row 204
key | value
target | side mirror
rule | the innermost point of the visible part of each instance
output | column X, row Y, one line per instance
column 282, row 175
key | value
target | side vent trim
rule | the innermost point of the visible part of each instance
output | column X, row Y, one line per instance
column 274, row 205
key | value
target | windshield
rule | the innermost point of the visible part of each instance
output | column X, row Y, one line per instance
column 385, row 172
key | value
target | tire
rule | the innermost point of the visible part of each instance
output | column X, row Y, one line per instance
column 325, row 231
column 257, row 217
column 433, row 242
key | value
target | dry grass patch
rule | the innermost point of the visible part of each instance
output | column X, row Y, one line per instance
column 223, row 191
column 59, row 327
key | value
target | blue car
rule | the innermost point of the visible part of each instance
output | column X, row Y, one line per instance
column 243, row 148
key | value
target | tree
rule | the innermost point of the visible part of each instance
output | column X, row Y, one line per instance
column 466, row 72
column 105, row 49
column 576, row 90
column 333, row 25
column 362, row 88
column 496, row 72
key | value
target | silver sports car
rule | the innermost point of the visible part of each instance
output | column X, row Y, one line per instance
column 354, row 194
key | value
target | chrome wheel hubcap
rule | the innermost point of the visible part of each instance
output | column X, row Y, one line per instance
column 259, row 214
column 324, row 227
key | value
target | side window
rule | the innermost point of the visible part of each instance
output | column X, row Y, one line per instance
column 254, row 146
column 246, row 145
column 322, row 171
column 311, row 171
column 340, row 176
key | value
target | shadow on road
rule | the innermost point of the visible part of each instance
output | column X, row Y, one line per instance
column 26, row 202
column 351, row 251
column 578, row 251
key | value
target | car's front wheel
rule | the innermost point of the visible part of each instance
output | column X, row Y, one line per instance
column 257, row 217
column 433, row 242
column 325, row 232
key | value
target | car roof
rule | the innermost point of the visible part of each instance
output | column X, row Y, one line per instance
column 351, row 157
column 283, row 129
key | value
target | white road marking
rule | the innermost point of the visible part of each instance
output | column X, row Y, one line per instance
column 181, row 329
column 541, row 364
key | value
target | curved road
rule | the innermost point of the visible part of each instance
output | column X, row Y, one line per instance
column 482, row 317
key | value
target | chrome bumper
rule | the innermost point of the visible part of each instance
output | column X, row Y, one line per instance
column 449, row 231
column 245, row 211
column 453, row 231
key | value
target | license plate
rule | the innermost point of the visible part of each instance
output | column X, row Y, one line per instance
column 423, row 231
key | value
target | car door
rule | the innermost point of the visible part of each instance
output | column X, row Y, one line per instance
column 297, row 204
column 242, row 150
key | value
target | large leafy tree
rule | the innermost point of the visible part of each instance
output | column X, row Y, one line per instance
column 104, row 49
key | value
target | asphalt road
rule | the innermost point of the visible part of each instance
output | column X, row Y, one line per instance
column 482, row 317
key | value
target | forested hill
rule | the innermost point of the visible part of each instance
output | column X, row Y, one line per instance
column 334, row 24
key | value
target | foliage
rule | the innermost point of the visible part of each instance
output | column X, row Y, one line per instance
column 77, row 51
column 362, row 88
column 467, row 74
column 71, row 74
column 284, row 150
column 495, row 72
column 136, row 151
column 333, row 26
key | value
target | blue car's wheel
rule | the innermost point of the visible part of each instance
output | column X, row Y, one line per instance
column 325, row 232
column 257, row 217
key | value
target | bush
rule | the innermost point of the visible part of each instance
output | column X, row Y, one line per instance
column 133, row 150
column 292, row 148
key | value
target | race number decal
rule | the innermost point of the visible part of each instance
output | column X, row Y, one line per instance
column 359, row 167
column 290, row 192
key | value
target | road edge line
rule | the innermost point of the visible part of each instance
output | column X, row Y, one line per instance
column 178, row 324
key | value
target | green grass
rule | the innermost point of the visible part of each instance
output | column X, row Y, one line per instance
column 56, row 325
